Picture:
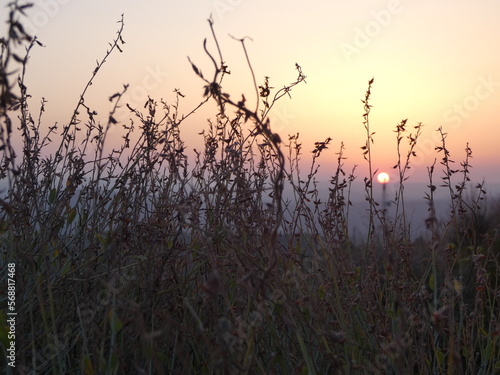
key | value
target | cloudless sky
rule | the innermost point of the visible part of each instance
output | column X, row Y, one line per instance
column 435, row 62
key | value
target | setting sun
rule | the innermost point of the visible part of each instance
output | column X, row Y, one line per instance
column 218, row 184
column 383, row 178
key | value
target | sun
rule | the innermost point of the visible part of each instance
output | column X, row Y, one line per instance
column 383, row 178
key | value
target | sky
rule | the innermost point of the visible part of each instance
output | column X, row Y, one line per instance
column 433, row 62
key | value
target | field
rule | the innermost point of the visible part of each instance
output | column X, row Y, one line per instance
column 144, row 260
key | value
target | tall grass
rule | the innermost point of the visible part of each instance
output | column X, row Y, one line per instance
column 140, row 260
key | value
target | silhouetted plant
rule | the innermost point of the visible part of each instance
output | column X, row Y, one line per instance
column 136, row 258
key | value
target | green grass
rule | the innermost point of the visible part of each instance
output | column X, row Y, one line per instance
column 140, row 260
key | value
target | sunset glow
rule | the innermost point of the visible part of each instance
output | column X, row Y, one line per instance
column 265, row 186
column 383, row 178
column 433, row 62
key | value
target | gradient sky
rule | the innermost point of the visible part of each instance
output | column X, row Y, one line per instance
column 435, row 62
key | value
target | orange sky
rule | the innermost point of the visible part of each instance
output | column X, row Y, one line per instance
column 434, row 62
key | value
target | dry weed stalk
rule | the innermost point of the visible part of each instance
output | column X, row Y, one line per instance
column 131, row 259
